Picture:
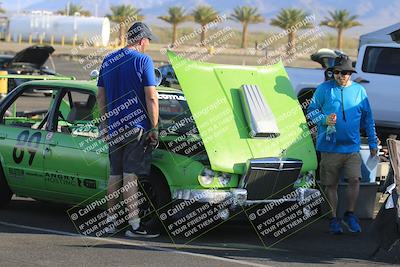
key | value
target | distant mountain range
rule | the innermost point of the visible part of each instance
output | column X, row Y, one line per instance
column 149, row 7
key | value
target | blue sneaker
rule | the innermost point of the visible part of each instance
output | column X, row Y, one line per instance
column 351, row 221
column 335, row 227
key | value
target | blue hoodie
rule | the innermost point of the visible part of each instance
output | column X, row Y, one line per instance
column 353, row 111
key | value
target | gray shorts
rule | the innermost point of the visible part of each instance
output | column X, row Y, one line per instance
column 130, row 152
column 331, row 165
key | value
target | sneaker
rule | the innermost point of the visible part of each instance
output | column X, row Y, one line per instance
column 141, row 232
column 110, row 228
column 335, row 227
column 351, row 221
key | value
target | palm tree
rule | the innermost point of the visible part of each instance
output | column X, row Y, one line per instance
column 71, row 9
column 340, row 20
column 246, row 15
column 176, row 15
column 121, row 14
column 1, row 9
column 291, row 20
column 204, row 15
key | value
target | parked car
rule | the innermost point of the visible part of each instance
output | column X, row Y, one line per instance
column 29, row 61
column 217, row 142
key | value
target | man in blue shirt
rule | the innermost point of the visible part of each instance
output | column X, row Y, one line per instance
column 340, row 107
column 129, row 112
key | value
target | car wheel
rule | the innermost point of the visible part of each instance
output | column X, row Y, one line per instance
column 5, row 191
column 47, row 94
column 156, row 196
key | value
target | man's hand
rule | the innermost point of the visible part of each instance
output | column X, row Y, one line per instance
column 103, row 131
column 152, row 136
column 331, row 119
column 373, row 152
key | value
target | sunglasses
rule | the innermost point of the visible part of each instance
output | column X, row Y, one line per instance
column 343, row 72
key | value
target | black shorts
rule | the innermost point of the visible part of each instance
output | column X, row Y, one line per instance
column 130, row 152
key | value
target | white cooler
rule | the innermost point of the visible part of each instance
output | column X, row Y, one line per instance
column 368, row 176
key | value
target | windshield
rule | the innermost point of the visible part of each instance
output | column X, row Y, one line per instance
column 175, row 116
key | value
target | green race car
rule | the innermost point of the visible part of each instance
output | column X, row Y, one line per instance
column 235, row 132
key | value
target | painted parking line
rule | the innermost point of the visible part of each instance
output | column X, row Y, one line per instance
column 132, row 243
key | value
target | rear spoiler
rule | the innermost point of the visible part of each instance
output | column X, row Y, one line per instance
column 4, row 76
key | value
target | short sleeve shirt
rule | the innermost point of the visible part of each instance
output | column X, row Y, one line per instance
column 124, row 74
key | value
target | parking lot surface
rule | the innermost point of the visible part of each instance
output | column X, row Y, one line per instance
column 35, row 233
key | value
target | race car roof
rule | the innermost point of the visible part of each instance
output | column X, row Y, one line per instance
column 86, row 85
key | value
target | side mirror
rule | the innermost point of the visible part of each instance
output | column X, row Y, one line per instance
column 94, row 74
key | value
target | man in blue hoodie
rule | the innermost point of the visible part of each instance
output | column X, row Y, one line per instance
column 340, row 107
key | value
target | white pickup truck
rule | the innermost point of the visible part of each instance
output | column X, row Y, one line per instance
column 378, row 70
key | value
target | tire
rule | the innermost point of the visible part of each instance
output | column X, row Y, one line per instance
column 5, row 191
column 156, row 189
column 47, row 94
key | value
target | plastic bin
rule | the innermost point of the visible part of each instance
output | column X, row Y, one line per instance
column 365, row 203
column 368, row 176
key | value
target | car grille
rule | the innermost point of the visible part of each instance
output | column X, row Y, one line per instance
column 270, row 177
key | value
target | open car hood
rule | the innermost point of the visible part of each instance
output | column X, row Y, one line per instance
column 37, row 55
column 213, row 95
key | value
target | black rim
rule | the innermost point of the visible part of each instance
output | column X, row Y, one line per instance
column 147, row 213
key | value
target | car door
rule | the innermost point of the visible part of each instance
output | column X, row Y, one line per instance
column 22, row 137
column 75, row 160
column 380, row 75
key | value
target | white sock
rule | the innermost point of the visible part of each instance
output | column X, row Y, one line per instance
column 135, row 223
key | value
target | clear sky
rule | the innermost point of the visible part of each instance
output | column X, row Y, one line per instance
column 373, row 14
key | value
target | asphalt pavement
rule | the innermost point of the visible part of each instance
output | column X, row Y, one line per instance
column 34, row 233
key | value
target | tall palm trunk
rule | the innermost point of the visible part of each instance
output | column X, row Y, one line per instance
column 244, row 35
column 291, row 43
column 121, row 34
column 203, row 34
column 174, row 33
column 339, row 39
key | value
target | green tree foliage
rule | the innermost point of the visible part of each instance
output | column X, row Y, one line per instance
column 340, row 20
column 122, row 14
column 246, row 15
column 176, row 15
column 204, row 15
column 291, row 20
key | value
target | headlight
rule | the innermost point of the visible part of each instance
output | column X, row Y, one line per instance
column 210, row 178
column 224, row 178
column 206, row 177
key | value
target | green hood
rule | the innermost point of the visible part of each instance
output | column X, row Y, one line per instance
column 213, row 95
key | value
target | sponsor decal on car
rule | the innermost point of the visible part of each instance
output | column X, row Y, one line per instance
column 58, row 178
column 171, row 97
column 16, row 173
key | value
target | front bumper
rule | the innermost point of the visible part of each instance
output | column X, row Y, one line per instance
column 238, row 196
